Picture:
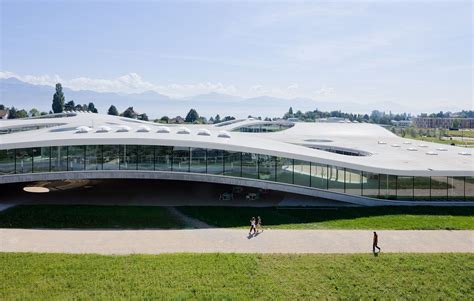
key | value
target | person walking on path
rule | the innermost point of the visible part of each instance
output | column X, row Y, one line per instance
column 259, row 224
column 252, row 226
column 375, row 242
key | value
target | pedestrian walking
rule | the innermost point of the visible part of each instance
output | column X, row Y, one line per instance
column 252, row 226
column 375, row 242
column 259, row 224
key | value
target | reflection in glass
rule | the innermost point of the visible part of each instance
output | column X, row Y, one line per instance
column 93, row 157
column 232, row 164
column 146, row 157
column 76, row 155
column 128, row 157
column 319, row 176
column 370, row 184
column 180, row 159
column 24, row 160
column 266, row 167
column 302, row 173
column 7, row 161
column 198, row 160
column 215, row 161
column 456, row 188
column 388, row 186
column 111, row 158
column 405, row 188
column 41, row 156
column 439, row 188
column 469, row 188
column 284, row 170
column 421, row 189
column 354, row 179
column 163, row 155
column 249, row 165
column 336, row 178
column 59, row 158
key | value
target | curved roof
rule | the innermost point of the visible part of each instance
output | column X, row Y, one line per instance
column 304, row 141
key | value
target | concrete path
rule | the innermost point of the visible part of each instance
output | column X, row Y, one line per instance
column 231, row 240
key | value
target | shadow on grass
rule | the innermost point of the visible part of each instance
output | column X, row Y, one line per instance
column 352, row 217
column 150, row 217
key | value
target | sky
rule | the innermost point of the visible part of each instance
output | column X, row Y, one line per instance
column 416, row 53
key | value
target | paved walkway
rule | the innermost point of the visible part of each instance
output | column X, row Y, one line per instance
column 231, row 240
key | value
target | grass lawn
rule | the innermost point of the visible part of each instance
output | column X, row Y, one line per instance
column 29, row 276
column 397, row 218
column 87, row 217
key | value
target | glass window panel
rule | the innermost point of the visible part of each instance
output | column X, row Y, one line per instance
column 284, row 170
column 266, row 167
column 59, row 158
column 76, row 158
column 215, row 161
column 469, row 188
column 198, row 160
column 319, row 176
column 405, row 188
column 24, row 160
column 7, row 161
column 232, row 164
column 128, row 157
column 439, row 188
column 180, row 159
column 336, row 178
column 163, row 155
column 93, row 157
column 111, row 157
column 353, row 180
column 421, row 188
column 370, row 184
column 456, row 188
column 41, row 157
column 146, row 157
column 249, row 165
column 388, row 186
column 302, row 173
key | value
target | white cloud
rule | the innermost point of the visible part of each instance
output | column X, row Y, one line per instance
column 324, row 91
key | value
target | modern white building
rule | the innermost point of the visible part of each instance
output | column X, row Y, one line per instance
column 350, row 162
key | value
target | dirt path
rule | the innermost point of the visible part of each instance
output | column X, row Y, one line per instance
column 233, row 241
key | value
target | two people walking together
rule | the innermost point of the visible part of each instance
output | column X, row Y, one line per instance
column 255, row 225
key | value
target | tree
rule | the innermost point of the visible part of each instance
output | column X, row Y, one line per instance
column 58, row 99
column 192, row 116
column 78, row 108
column 2, row 107
column 165, row 119
column 69, row 106
column 143, row 117
column 12, row 113
column 34, row 112
column 217, row 119
column 113, row 111
column 129, row 113
column 91, row 108
column 21, row 114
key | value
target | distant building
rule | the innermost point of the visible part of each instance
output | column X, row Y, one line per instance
column 401, row 122
column 177, row 119
column 447, row 123
column 333, row 120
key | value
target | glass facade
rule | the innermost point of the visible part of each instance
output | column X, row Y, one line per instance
column 235, row 164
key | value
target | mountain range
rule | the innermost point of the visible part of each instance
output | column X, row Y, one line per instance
column 14, row 92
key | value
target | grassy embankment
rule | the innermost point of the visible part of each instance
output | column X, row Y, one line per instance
column 397, row 218
column 138, row 217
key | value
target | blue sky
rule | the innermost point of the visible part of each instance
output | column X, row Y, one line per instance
column 412, row 53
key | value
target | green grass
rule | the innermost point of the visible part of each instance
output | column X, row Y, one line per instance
column 87, row 217
column 27, row 276
column 397, row 218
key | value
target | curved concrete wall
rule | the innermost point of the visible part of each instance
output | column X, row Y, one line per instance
column 218, row 179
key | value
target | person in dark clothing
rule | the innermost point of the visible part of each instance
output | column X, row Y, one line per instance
column 375, row 242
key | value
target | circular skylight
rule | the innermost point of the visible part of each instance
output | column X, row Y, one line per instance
column 395, row 145
column 163, row 129
column 442, row 149
column 103, row 129
column 83, row 129
column 143, row 128
column 183, row 130
column 412, row 149
column 422, row 145
column 407, row 142
column 382, row 142
column 223, row 134
column 465, row 154
column 204, row 132
column 432, row 153
column 123, row 128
